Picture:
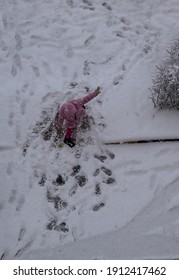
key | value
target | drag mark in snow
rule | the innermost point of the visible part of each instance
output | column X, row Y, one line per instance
column 89, row 40
column 20, row 203
column 23, row 249
column 21, row 233
column 4, row 255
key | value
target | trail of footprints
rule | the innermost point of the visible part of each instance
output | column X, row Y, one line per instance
column 102, row 175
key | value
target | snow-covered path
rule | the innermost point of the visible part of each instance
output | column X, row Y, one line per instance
column 96, row 201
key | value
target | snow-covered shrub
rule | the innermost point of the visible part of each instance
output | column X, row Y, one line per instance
column 165, row 88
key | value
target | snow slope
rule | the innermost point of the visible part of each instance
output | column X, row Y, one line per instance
column 93, row 201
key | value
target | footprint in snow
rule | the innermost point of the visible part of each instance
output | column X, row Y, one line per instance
column 43, row 180
column 57, row 201
column 10, row 168
column 97, row 207
column 59, row 227
column 62, row 227
column 86, row 68
column 89, row 40
column 107, row 6
column 98, row 189
column 109, row 180
column 20, row 203
column 12, row 197
column 101, row 158
column 81, row 180
column 110, row 154
column 96, row 173
column 73, row 190
column 106, row 171
column 75, row 169
column 87, row 2
column 23, row 107
column 60, row 181
column 18, row 41
column 17, row 61
column 11, row 119
column 117, row 79
column 5, row 21
column 36, row 71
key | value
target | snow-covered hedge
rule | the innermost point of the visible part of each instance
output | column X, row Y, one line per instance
column 165, row 88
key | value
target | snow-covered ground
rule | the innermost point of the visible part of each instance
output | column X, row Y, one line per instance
column 94, row 201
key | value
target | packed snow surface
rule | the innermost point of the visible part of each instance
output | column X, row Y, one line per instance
column 94, row 201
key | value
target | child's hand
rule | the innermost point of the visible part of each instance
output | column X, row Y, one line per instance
column 98, row 90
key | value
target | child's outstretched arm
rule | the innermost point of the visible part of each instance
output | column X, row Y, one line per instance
column 89, row 97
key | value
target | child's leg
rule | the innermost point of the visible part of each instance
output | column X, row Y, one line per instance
column 69, row 132
column 73, row 135
column 68, row 140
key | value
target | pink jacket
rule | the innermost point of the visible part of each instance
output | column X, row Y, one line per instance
column 72, row 111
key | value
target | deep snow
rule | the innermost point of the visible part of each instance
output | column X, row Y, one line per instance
column 109, row 202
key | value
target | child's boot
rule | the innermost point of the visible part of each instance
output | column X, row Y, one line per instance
column 71, row 143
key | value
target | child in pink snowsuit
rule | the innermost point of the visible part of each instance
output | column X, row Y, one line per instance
column 71, row 112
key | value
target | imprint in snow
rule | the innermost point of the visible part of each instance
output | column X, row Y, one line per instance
column 57, row 201
column 100, row 157
column 89, row 40
column 109, row 181
column 97, row 189
column 20, row 203
column 21, row 233
column 98, row 206
column 36, row 71
column 62, row 227
column 59, row 181
column 110, row 154
column 43, row 180
column 106, row 171
column 87, row 2
column 76, row 169
column 73, row 190
column 107, row 6
column 81, row 180
column 96, row 173
column 86, row 69
column 13, row 196
column 18, row 41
